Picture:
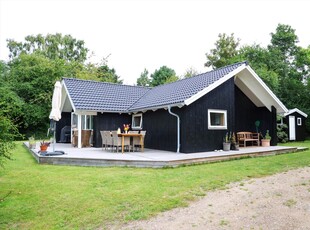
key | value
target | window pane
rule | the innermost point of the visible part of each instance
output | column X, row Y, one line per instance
column 136, row 121
column 217, row 119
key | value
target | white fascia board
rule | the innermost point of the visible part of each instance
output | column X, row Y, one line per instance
column 85, row 112
column 214, row 85
column 179, row 105
column 274, row 97
column 68, row 95
column 297, row 111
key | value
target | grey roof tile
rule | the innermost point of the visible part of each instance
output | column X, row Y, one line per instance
column 179, row 91
column 100, row 96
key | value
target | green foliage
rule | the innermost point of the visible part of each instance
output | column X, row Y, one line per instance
column 163, row 75
column 105, row 74
column 26, row 187
column 172, row 79
column 144, row 79
column 282, row 133
column 283, row 65
column 27, row 81
column 190, row 72
column 284, row 40
column 8, row 132
column 267, row 135
column 260, row 60
column 225, row 49
column 52, row 46
column 32, row 79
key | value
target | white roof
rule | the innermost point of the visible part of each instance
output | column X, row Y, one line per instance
column 295, row 111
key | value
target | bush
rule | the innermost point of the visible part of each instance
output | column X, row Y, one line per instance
column 282, row 133
column 8, row 132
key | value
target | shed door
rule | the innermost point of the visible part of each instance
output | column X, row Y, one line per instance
column 292, row 128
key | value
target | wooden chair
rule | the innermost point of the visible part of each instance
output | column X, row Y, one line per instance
column 133, row 138
column 136, row 140
column 104, row 140
column 117, row 141
column 108, row 138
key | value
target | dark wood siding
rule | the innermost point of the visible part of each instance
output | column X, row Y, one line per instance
column 301, row 133
column 195, row 135
column 161, row 130
column 108, row 121
column 247, row 114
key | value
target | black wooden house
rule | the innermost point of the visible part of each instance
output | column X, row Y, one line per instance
column 190, row 115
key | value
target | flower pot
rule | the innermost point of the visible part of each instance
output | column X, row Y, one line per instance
column 234, row 146
column 226, row 146
column 43, row 148
column 265, row 142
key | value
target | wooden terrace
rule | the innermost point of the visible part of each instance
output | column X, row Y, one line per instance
column 149, row 158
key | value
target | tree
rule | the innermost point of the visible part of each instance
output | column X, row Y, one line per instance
column 190, row 72
column 32, row 78
column 284, row 40
column 171, row 79
column 105, row 74
column 283, row 65
column 8, row 132
column 259, row 59
column 162, row 76
column 144, row 79
column 225, row 49
column 52, row 46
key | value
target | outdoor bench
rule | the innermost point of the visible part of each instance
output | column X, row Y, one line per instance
column 244, row 137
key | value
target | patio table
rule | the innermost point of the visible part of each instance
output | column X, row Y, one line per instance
column 123, row 135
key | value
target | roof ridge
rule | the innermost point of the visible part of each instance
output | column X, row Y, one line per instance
column 223, row 67
column 128, row 109
column 103, row 82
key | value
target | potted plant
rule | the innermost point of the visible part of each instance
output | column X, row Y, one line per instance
column 266, row 139
column 226, row 142
column 44, row 145
column 126, row 127
column 234, row 143
column 32, row 143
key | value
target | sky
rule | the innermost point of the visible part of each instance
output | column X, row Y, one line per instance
column 147, row 34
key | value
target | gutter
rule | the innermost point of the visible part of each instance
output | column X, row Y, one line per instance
column 178, row 127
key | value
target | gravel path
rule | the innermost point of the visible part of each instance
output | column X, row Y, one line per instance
column 280, row 201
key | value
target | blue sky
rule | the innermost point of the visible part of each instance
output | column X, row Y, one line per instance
column 138, row 34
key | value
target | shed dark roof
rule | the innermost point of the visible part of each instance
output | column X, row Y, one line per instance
column 100, row 96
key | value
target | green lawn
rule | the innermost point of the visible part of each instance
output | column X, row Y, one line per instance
column 34, row 196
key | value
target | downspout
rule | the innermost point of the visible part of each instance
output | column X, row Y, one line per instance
column 178, row 127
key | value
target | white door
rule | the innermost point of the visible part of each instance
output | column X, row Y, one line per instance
column 292, row 128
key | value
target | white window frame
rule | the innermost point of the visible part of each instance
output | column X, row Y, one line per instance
column 133, row 125
column 217, row 126
column 299, row 121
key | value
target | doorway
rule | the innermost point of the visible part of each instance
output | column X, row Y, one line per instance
column 292, row 129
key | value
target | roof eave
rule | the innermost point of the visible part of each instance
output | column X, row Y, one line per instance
column 179, row 104
column 281, row 108
column 206, row 90
column 297, row 111
column 68, row 94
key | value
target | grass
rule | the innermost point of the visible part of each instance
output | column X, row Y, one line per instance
column 34, row 196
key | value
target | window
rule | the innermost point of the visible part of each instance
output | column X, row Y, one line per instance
column 217, row 119
column 299, row 121
column 137, row 121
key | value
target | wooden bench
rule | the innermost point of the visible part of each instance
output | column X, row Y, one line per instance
column 244, row 137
